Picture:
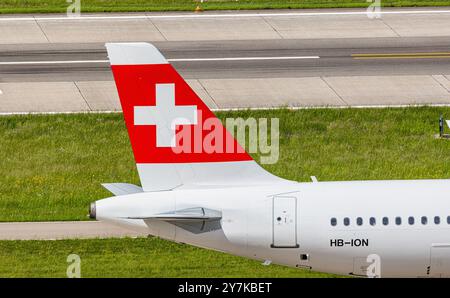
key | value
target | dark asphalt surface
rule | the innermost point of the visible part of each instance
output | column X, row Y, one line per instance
column 335, row 59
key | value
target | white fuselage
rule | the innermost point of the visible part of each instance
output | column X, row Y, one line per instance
column 291, row 224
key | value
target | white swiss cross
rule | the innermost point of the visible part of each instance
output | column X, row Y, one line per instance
column 165, row 115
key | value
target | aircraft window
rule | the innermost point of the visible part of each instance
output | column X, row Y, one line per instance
column 411, row 220
column 398, row 220
column 385, row 221
column 359, row 221
column 448, row 220
column 346, row 221
column 333, row 221
column 424, row 220
column 437, row 220
column 372, row 221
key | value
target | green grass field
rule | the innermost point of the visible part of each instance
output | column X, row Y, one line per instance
column 141, row 257
column 50, row 6
column 51, row 166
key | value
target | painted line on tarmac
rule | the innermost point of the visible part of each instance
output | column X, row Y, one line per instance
column 170, row 60
column 230, row 15
column 424, row 55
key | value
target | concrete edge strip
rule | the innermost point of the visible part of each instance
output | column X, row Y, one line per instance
column 230, row 15
column 52, row 222
column 439, row 79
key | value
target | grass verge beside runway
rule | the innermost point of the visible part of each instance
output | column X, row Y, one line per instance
column 51, row 166
column 60, row 6
column 141, row 257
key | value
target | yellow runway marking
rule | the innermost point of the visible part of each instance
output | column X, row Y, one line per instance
column 403, row 55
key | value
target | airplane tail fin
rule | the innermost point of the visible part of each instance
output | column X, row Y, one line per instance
column 177, row 141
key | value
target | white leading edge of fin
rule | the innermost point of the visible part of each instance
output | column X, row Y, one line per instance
column 134, row 53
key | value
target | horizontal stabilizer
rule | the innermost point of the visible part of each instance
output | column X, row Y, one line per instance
column 195, row 220
column 190, row 214
column 120, row 189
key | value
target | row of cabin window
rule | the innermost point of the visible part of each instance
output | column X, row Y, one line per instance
column 385, row 220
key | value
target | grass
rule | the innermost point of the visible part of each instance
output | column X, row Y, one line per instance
column 51, row 166
column 60, row 6
column 141, row 257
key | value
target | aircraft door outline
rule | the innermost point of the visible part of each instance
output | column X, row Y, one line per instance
column 284, row 222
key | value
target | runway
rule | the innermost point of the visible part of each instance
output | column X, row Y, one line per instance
column 296, row 58
column 245, row 59
column 42, row 78
column 336, row 57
